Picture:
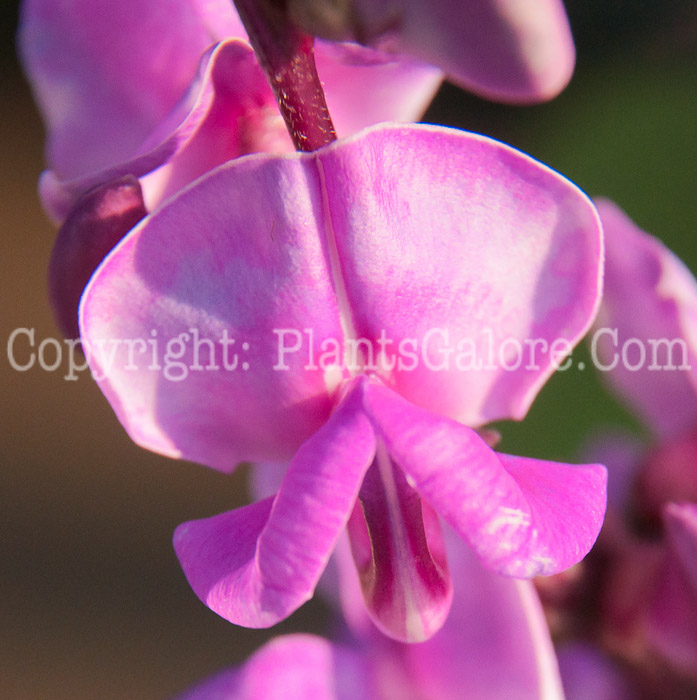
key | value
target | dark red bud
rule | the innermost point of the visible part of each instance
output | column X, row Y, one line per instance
column 97, row 222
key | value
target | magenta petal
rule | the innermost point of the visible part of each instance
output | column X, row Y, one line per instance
column 180, row 321
column 398, row 549
column 293, row 667
column 256, row 565
column 523, row 517
column 458, row 251
column 649, row 296
column 101, row 218
column 106, row 73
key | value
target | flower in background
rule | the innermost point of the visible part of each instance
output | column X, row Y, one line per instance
column 641, row 579
column 501, row 49
column 495, row 644
column 418, row 253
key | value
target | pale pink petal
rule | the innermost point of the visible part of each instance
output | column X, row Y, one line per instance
column 100, row 219
column 226, row 263
column 106, row 73
column 228, row 111
column 495, row 642
column 387, row 87
column 256, row 565
column 293, row 667
column 522, row 517
column 479, row 266
column 650, row 302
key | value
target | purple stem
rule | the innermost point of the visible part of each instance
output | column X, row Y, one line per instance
column 287, row 56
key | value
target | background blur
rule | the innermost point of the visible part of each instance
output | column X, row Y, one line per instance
column 92, row 601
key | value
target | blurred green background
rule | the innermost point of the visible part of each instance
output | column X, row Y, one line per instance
column 92, row 601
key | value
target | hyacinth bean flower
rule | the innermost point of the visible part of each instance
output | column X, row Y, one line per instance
column 350, row 312
column 495, row 644
column 501, row 49
column 113, row 78
column 646, row 343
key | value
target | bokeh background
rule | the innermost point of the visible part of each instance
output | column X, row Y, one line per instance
column 92, row 601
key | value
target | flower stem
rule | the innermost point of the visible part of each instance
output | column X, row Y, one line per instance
column 287, row 56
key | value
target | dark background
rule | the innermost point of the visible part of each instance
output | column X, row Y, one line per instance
column 92, row 601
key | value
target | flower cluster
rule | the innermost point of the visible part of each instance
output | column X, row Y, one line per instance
column 325, row 302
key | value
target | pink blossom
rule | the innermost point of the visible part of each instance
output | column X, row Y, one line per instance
column 385, row 236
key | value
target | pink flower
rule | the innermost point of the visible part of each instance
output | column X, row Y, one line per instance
column 420, row 242
column 112, row 77
column 495, row 644
column 502, row 49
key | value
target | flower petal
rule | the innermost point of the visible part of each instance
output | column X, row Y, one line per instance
column 523, row 517
column 501, row 49
column 387, row 87
column 292, row 667
column 101, row 218
column 479, row 266
column 398, row 548
column 105, row 74
column 256, row 565
column 650, row 297
column 339, row 246
column 179, row 323
column 229, row 111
